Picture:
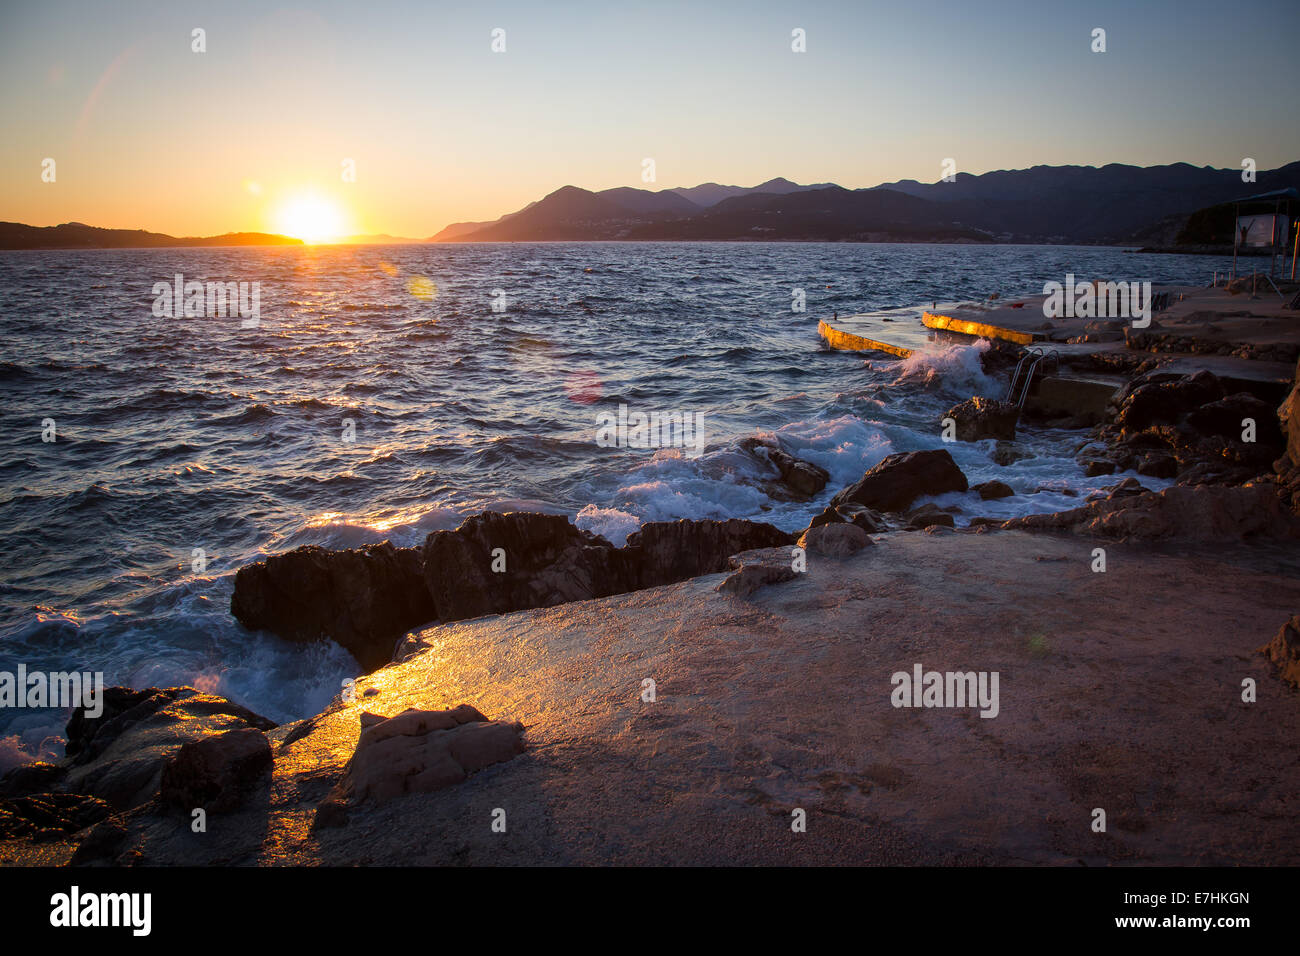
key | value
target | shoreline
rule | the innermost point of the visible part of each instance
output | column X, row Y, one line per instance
column 773, row 701
column 749, row 647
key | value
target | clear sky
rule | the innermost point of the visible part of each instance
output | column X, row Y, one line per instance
column 147, row 134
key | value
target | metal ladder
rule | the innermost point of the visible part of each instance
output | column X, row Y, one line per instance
column 1034, row 356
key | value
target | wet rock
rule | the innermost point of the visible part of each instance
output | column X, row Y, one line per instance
column 546, row 561
column 801, row 477
column 1157, row 465
column 38, row 777
column 1127, row 488
column 1199, row 513
column 1098, row 467
column 101, row 844
column 217, row 772
column 1283, row 652
column 902, row 478
column 979, row 418
column 928, row 516
column 364, row 599
column 1215, row 473
column 119, row 756
column 866, row 519
column 854, row 513
column 1008, row 453
column 419, row 751
column 49, row 816
column 989, row 490
column 1225, row 418
column 837, row 540
column 663, row 552
column 829, row 515
column 1165, row 402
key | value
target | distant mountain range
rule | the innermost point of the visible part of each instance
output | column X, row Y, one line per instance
column 77, row 235
column 1114, row 204
column 1110, row 205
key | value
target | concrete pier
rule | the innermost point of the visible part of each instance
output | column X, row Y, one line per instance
column 1251, row 342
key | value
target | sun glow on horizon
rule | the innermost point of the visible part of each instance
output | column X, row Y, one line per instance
column 310, row 217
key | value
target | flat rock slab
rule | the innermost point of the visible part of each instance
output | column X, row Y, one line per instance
column 679, row 725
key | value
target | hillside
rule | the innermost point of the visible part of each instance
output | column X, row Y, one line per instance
column 76, row 235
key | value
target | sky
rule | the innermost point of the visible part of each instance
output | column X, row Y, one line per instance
column 253, row 133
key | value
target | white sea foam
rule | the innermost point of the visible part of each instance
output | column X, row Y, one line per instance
column 955, row 369
column 610, row 523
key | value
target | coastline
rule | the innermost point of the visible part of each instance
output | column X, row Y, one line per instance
column 781, row 700
column 1101, row 696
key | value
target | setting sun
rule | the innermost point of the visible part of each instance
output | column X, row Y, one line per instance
column 310, row 217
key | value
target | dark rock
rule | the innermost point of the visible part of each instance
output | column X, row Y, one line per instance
column 88, row 737
column 802, row 477
column 547, row 561
column 979, row 418
column 1097, row 467
column 364, row 599
column 1166, row 402
column 38, row 777
column 101, row 844
column 866, row 519
column 49, row 816
column 1283, row 652
column 1225, row 416
column 1127, row 488
column 1157, row 465
column 662, row 552
column 852, row 512
column 1201, row 513
column 1288, row 415
column 217, row 772
column 989, row 490
column 1008, row 453
column 902, row 478
column 119, row 756
column 927, row 516
column 1215, row 473
column 829, row 515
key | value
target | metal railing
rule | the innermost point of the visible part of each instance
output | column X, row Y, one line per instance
column 1034, row 357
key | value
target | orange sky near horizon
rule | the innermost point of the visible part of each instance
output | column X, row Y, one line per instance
column 148, row 133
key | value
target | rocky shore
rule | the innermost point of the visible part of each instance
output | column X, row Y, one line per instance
column 533, row 694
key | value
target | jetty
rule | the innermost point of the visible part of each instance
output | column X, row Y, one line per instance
column 1251, row 339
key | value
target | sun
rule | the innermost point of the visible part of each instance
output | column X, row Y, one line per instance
column 311, row 218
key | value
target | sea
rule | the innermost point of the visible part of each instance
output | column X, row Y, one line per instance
column 390, row 391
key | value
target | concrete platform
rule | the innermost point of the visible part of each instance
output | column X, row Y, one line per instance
column 896, row 332
column 1082, row 396
column 1020, row 324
